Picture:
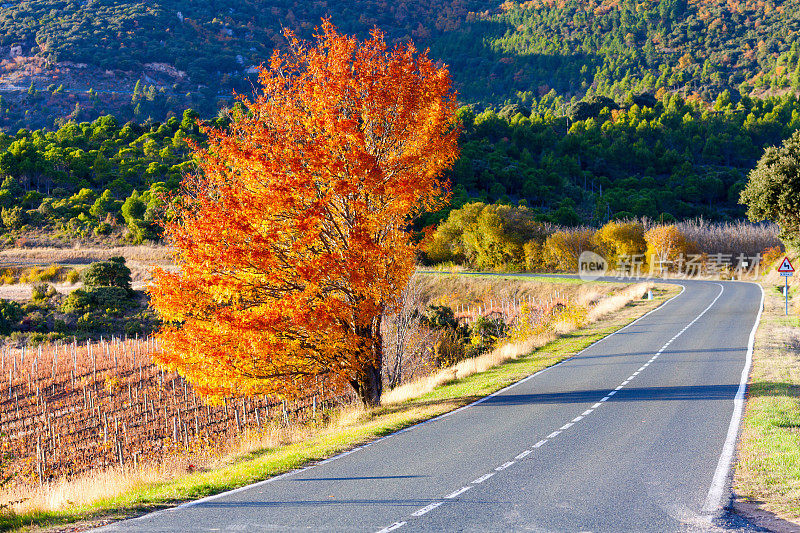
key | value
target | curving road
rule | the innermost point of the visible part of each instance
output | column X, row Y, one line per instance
column 633, row 434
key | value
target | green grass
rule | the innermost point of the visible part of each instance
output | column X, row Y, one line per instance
column 369, row 425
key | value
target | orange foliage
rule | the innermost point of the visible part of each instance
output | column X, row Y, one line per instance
column 292, row 238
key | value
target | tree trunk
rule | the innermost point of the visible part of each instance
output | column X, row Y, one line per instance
column 368, row 383
column 368, row 386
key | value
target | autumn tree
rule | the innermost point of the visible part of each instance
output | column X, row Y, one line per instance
column 563, row 248
column 617, row 239
column 292, row 237
column 665, row 247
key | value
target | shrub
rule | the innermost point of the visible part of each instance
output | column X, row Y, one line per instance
column 77, row 301
column 449, row 349
column 40, row 291
column 13, row 217
column 108, row 297
column 111, row 273
column 104, row 228
column 73, row 277
column 486, row 331
column 440, row 317
column 10, row 315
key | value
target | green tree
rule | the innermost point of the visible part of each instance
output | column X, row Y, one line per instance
column 773, row 189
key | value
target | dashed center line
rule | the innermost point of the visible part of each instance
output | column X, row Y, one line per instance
column 426, row 509
column 392, row 527
column 554, row 434
column 457, row 493
column 483, row 478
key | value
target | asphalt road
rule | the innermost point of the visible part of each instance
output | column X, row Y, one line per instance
column 626, row 436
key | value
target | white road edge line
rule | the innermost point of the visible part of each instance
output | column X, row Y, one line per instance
column 713, row 501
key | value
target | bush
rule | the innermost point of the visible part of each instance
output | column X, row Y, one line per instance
column 440, row 317
column 109, row 297
column 40, row 291
column 619, row 238
column 104, row 228
column 77, row 301
column 73, row 277
column 13, row 217
column 111, row 273
column 10, row 315
column 486, row 331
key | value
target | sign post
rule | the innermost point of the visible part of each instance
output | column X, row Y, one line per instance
column 786, row 269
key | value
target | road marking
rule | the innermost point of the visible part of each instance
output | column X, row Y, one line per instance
column 459, row 492
column 426, row 509
column 587, row 412
column 566, row 426
column 625, row 382
column 713, row 501
column 598, row 404
column 604, row 399
column 577, row 419
column 483, row 478
column 504, row 466
column 642, row 368
column 613, row 392
column 394, row 526
column 523, row 455
column 540, row 443
column 553, row 435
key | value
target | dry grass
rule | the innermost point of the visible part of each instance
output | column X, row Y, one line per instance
column 455, row 289
column 730, row 237
column 615, row 302
column 140, row 259
column 597, row 296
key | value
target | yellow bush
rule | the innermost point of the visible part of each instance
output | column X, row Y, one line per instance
column 666, row 245
column 563, row 248
column 617, row 239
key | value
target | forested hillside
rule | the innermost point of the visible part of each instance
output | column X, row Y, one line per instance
column 194, row 54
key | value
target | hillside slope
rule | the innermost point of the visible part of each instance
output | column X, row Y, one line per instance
column 195, row 54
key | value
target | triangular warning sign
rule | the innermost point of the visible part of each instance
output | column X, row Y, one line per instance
column 786, row 266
